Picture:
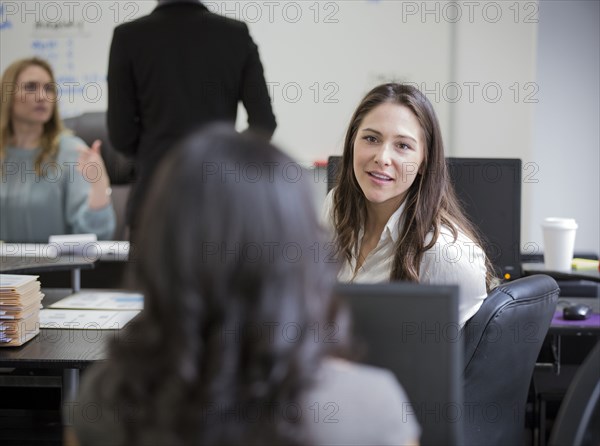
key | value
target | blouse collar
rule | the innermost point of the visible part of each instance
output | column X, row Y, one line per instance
column 395, row 223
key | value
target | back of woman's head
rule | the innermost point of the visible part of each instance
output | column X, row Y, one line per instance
column 235, row 285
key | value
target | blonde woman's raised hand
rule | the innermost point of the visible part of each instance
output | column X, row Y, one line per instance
column 91, row 165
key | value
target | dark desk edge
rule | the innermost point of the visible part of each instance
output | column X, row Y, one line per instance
column 33, row 265
column 538, row 268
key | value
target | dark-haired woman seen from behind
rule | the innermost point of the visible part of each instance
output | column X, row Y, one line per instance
column 233, row 345
column 394, row 214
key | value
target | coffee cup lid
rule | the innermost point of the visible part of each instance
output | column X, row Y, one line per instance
column 559, row 223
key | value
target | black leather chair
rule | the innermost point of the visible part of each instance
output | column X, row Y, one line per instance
column 89, row 127
column 502, row 343
column 578, row 419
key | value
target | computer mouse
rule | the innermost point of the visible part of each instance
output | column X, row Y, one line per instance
column 576, row 312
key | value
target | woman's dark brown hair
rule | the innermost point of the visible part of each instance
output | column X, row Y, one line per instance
column 430, row 202
column 237, row 305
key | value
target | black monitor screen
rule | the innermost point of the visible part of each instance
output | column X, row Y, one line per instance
column 413, row 331
column 490, row 191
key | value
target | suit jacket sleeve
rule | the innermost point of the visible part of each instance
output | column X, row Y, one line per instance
column 123, row 115
column 255, row 94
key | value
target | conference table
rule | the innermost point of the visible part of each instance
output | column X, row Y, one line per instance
column 63, row 350
column 38, row 265
column 72, row 350
column 46, row 259
column 66, row 351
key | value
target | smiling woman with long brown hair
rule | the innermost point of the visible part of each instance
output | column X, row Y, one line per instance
column 394, row 213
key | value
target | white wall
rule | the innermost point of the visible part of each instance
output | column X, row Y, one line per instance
column 320, row 58
column 566, row 140
column 507, row 79
column 495, row 57
column 348, row 49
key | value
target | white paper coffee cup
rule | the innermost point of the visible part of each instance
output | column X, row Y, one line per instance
column 559, row 243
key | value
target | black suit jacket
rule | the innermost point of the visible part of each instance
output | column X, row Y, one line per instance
column 175, row 70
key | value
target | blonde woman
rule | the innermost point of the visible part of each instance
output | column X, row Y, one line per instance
column 50, row 181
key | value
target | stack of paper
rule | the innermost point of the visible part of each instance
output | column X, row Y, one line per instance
column 93, row 310
column 20, row 301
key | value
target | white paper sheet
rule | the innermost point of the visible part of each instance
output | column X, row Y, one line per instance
column 102, row 300
column 85, row 319
column 15, row 280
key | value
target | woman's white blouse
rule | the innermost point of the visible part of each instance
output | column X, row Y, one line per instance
column 448, row 262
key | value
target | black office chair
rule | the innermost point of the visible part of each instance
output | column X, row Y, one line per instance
column 89, row 127
column 578, row 419
column 502, row 343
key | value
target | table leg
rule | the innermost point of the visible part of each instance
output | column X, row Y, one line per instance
column 70, row 386
column 76, row 279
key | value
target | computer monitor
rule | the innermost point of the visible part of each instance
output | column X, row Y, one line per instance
column 490, row 191
column 413, row 331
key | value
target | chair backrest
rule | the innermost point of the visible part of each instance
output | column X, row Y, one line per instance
column 577, row 422
column 89, row 127
column 333, row 164
column 502, row 343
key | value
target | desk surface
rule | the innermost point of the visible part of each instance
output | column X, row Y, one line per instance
column 587, row 327
column 107, row 250
column 33, row 265
column 54, row 348
column 539, row 268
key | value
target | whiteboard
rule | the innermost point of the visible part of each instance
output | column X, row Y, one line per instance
column 320, row 57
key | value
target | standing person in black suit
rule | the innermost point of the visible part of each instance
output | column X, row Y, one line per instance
column 174, row 70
